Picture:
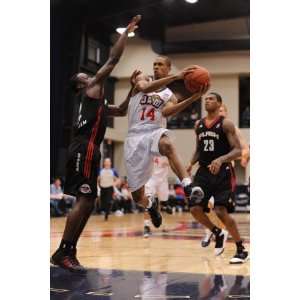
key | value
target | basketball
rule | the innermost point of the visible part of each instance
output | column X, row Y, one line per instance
column 193, row 81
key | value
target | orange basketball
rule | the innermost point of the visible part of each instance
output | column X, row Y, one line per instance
column 194, row 80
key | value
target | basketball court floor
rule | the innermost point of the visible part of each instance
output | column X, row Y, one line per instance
column 170, row 264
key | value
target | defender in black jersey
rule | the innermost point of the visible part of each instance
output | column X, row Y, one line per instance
column 217, row 144
column 84, row 151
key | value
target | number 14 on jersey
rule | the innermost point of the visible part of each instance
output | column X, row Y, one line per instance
column 148, row 113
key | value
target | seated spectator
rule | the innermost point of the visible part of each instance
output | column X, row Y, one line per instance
column 173, row 122
column 129, row 204
column 118, row 199
column 186, row 120
column 59, row 202
column 194, row 116
column 180, row 197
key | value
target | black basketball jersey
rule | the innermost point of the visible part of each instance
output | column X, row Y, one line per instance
column 212, row 141
column 92, row 121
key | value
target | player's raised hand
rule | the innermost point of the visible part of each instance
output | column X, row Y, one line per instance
column 185, row 71
column 203, row 90
column 133, row 76
column 132, row 26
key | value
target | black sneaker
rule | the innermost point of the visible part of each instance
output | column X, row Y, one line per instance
column 221, row 239
column 240, row 257
column 188, row 190
column 147, row 231
column 67, row 261
column 169, row 210
column 196, row 195
column 155, row 214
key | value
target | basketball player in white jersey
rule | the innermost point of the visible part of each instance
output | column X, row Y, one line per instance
column 149, row 104
column 157, row 185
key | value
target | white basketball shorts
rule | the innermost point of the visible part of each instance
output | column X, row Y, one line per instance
column 139, row 150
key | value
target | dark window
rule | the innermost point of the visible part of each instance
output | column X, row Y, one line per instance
column 93, row 51
column 244, row 101
column 109, row 93
column 186, row 119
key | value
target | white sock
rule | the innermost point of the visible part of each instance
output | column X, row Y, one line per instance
column 149, row 197
column 147, row 223
column 186, row 181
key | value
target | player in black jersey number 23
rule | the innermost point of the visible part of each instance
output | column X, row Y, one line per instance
column 217, row 144
column 84, row 151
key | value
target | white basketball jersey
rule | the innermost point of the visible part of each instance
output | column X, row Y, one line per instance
column 145, row 111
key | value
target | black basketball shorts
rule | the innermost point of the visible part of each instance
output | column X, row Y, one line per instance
column 82, row 170
column 220, row 186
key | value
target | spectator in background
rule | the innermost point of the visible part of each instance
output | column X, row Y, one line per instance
column 180, row 197
column 172, row 197
column 118, row 199
column 59, row 202
column 129, row 204
column 106, row 180
column 194, row 116
column 56, row 198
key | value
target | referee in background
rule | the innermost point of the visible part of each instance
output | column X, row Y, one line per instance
column 106, row 180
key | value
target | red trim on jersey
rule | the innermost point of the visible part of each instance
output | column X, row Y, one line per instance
column 91, row 146
column 233, row 178
column 212, row 123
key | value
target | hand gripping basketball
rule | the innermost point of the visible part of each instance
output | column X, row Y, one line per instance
column 196, row 78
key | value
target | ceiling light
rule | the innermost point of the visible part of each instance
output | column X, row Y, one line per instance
column 122, row 29
column 191, row 1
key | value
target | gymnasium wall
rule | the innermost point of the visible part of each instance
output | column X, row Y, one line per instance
column 225, row 69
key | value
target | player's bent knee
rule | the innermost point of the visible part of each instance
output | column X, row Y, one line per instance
column 196, row 210
column 166, row 146
column 221, row 211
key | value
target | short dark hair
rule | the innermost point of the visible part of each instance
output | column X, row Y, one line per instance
column 219, row 98
column 73, row 83
column 167, row 60
column 56, row 178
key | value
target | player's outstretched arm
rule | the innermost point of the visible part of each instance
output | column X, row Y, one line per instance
column 171, row 108
column 142, row 85
column 145, row 86
column 116, row 51
column 121, row 110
